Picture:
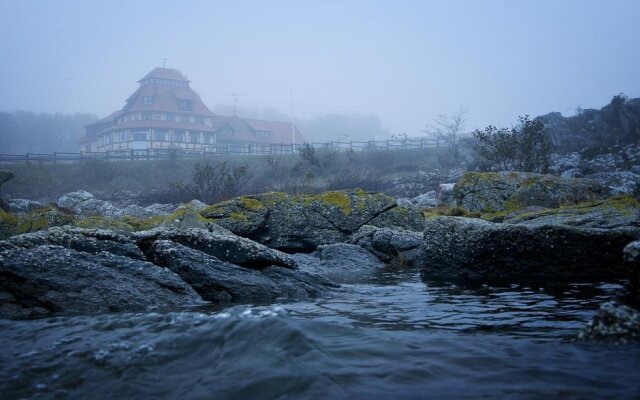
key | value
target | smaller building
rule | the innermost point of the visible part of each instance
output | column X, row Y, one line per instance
column 164, row 113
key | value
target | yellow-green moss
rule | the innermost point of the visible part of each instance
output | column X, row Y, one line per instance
column 144, row 224
column 8, row 218
column 251, row 204
column 42, row 219
column 239, row 216
column 337, row 199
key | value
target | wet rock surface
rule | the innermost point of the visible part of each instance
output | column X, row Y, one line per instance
column 217, row 281
column 389, row 244
column 299, row 223
column 499, row 191
column 48, row 280
column 459, row 249
column 340, row 263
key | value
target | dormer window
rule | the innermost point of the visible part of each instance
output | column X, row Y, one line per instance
column 147, row 100
column 263, row 134
column 185, row 105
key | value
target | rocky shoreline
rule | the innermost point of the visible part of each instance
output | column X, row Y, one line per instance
column 86, row 255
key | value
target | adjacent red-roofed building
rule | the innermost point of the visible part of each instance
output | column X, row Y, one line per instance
column 165, row 113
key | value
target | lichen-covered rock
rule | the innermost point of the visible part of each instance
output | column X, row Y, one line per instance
column 499, row 191
column 613, row 322
column 425, row 200
column 616, row 212
column 618, row 182
column 43, row 218
column 8, row 224
column 464, row 250
column 219, row 243
column 400, row 218
column 389, row 245
column 50, row 280
column 92, row 241
column 219, row 281
column 85, row 204
column 24, row 205
column 340, row 262
column 301, row 223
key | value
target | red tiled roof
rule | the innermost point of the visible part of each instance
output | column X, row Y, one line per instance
column 244, row 130
column 166, row 73
column 165, row 99
column 107, row 119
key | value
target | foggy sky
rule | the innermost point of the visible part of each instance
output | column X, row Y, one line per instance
column 405, row 61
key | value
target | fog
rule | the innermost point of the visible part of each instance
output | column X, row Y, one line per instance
column 399, row 63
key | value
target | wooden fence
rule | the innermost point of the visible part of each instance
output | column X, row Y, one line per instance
column 217, row 151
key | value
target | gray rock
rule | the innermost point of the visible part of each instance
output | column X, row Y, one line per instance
column 425, row 200
column 613, row 322
column 498, row 191
column 299, row 223
column 572, row 173
column 219, row 243
column 218, row 281
column 400, row 218
column 404, row 202
column 341, row 263
column 618, row 182
column 92, row 241
column 85, row 204
column 465, row 250
column 389, row 245
column 24, row 205
column 445, row 194
column 50, row 280
column 616, row 212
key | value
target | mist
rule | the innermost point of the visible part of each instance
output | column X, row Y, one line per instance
column 404, row 63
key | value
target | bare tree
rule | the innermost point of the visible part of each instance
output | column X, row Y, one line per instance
column 447, row 129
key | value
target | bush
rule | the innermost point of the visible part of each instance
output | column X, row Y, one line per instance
column 526, row 147
column 213, row 183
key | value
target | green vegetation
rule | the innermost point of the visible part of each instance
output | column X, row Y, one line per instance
column 526, row 147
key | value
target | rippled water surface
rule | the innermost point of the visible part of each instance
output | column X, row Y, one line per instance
column 394, row 337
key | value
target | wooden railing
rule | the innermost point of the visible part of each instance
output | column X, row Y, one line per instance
column 217, row 151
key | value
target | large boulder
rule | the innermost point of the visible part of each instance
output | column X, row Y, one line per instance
column 219, row 281
column 48, row 280
column 24, row 205
column 403, row 218
column 613, row 321
column 219, row 243
column 616, row 212
column 618, row 182
column 389, row 245
column 500, row 191
column 299, row 223
column 340, row 262
column 91, row 241
column 464, row 250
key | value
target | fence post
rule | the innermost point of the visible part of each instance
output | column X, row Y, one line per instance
column 55, row 156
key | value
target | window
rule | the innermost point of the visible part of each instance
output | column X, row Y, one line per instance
column 171, row 117
column 178, row 136
column 263, row 134
column 185, row 105
column 200, row 120
column 161, row 135
column 156, row 116
column 208, row 138
column 147, row 100
column 139, row 136
column 194, row 137
column 146, row 116
column 122, row 136
column 184, row 118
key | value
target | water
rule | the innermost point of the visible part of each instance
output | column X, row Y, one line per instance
column 393, row 337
